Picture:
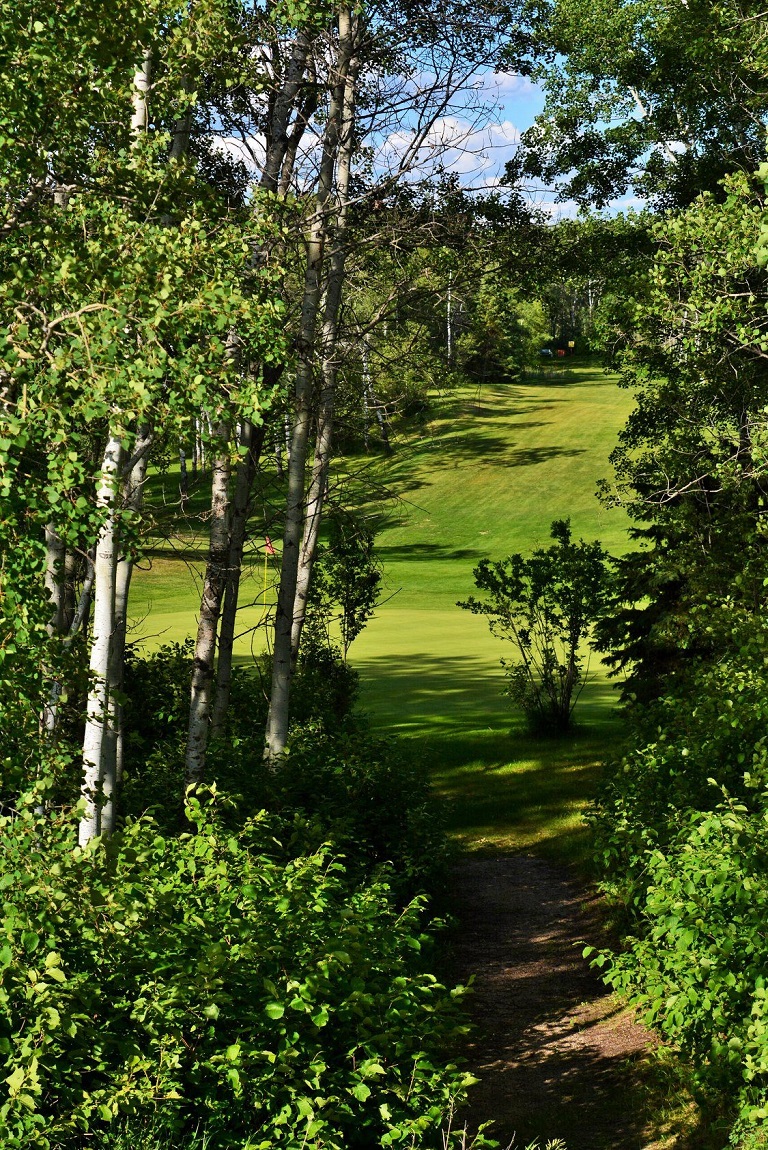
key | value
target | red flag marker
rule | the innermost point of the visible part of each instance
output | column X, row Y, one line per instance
column 268, row 546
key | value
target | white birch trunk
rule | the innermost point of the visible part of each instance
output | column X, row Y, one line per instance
column 251, row 438
column 183, row 478
column 133, row 496
column 99, row 738
column 366, row 396
column 277, row 722
column 329, row 368
column 142, row 82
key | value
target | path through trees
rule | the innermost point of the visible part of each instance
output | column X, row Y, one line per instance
column 557, row 1057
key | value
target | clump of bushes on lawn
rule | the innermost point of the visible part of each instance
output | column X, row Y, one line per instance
column 363, row 792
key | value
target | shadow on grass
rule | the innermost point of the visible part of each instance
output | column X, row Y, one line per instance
column 427, row 551
column 505, row 789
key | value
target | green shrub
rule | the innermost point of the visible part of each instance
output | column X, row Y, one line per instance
column 212, row 983
column 681, row 832
column 698, row 970
column 545, row 606
column 371, row 797
column 365, row 793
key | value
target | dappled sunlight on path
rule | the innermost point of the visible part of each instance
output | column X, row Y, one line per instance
column 555, row 1055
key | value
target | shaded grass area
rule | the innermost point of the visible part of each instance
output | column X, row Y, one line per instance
column 505, row 789
column 483, row 475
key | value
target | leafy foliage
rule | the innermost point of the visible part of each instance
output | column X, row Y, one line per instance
column 218, row 981
column 680, row 821
column 546, row 606
column 346, row 581
column 366, row 794
column 665, row 96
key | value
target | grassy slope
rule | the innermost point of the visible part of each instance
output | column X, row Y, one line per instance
column 484, row 475
column 487, row 476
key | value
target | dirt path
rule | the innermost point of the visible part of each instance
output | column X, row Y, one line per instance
column 555, row 1057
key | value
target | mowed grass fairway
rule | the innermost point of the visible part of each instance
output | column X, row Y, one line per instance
column 484, row 474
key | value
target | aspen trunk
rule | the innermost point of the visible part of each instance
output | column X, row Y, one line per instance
column 54, row 578
column 277, row 722
column 329, row 368
column 366, row 397
column 133, row 496
column 279, row 469
column 99, row 738
column 54, row 585
column 381, row 419
column 251, row 439
column 278, row 142
column 183, row 479
column 71, row 566
column 210, row 608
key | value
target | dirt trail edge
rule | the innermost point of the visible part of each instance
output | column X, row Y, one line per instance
column 556, row 1057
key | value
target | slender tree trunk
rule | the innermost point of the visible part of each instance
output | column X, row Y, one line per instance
column 210, row 608
column 99, row 738
column 278, row 142
column 277, row 723
column 54, row 585
column 252, row 439
column 381, row 419
column 71, row 566
column 279, row 469
column 133, row 497
column 449, row 320
column 326, row 411
column 183, row 478
column 366, row 396
column 54, row 578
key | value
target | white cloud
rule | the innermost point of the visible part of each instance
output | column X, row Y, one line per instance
column 250, row 150
column 544, row 200
column 476, row 154
column 502, row 85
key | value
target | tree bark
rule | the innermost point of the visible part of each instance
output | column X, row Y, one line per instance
column 54, row 578
column 210, row 608
column 252, row 439
column 99, row 738
column 277, row 722
column 132, row 499
column 329, row 367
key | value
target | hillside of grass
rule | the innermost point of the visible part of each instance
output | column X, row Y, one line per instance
column 481, row 473
column 486, row 474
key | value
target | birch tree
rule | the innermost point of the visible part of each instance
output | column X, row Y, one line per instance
column 437, row 48
column 116, row 336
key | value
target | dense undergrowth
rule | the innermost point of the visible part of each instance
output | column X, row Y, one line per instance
column 252, row 971
column 681, row 822
column 681, row 828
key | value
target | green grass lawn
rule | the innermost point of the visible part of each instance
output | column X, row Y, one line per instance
column 483, row 475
